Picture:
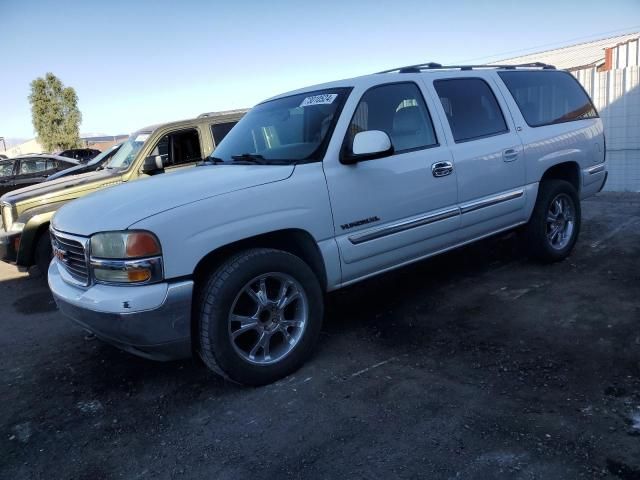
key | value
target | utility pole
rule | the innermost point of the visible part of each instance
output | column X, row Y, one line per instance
column 4, row 145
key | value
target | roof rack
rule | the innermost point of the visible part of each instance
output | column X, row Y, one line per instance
column 436, row 66
column 224, row 112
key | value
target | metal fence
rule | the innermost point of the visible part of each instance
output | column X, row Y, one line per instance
column 616, row 95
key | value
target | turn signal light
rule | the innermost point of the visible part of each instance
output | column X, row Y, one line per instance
column 142, row 244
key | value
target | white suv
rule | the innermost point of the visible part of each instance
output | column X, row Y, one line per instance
column 320, row 188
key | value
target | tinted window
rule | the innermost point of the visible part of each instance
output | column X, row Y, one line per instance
column 546, row 97
column 34, row 165
column 6, row 169
column 471, row 108
column 285, row 130
column 220, row 130
column 179, row 148
column 400, row 111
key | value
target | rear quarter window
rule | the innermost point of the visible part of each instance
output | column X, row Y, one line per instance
column 547, row 97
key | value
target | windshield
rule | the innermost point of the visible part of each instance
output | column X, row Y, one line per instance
column 285, row 130
column 128, row 151
column 96, row 160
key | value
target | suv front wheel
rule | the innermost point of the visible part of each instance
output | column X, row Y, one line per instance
column 260, row 315
column 553, row 228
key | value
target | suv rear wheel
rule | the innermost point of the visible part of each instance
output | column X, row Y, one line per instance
column 553, row 228
column 260, row 315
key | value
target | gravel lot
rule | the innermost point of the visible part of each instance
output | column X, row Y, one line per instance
column 478, row 364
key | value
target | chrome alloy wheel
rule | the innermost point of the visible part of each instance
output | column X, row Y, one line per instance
column 561, row 221
column 268, row 317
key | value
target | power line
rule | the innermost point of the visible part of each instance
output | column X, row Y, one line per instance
column 558, row 44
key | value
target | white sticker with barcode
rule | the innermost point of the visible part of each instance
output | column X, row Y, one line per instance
column 324, row 99
column 142, row 137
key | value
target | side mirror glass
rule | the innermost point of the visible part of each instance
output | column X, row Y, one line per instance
column 152, row 164
column 369, row 145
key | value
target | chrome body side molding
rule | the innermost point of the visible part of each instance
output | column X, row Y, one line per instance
column 487, row 202
column 404, row 225
column 434, row 217
column 595, row 169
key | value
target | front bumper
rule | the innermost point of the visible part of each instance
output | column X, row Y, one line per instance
column 151, row 321
column 9, row 245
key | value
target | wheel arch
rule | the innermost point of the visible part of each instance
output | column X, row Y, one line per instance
column 568, row 171
column 35, row 226
column 295, row 241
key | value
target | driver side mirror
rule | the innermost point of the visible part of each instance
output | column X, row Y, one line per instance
column 153, row 164
column 368, row 146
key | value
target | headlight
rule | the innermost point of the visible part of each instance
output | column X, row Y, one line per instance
column 126, row 257
column 123, row 245
column 17, row 227
column 7, row 216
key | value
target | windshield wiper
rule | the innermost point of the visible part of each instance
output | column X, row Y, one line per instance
column 252, row 158
column 211, row 161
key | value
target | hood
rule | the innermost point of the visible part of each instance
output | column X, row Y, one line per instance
column 77, row 170
column 46, row 192
column 119, row 207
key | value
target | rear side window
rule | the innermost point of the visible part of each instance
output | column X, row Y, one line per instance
column 545, row 98
column 220, row 130
column 471, row 107
column 27, row 167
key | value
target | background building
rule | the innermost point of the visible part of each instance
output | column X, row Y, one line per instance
column 608, row 69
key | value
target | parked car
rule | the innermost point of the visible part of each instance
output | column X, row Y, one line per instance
column 320, row 188
column 3, row 157
column 83, row 155
column 28, row 170
column 92, row 165
column 24, row 238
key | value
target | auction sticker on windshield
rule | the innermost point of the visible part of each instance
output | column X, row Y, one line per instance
column 324, row 99
column 142, row 137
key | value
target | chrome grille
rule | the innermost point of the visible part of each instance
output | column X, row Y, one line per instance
column 70, row 253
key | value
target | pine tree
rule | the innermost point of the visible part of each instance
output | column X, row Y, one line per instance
column 54, row 113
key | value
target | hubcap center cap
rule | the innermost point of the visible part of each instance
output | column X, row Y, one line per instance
column 270, row 317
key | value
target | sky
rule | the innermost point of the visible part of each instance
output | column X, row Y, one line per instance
column 136, row 63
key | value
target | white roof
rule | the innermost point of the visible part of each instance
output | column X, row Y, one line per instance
column 574, row 56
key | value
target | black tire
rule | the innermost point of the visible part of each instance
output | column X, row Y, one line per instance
column 216, row 299
column 43, row 253
column 535, row 232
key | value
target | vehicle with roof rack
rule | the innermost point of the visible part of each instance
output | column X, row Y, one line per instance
column 168, row 147
column 317, row 189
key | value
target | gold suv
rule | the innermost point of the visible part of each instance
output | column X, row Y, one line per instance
column 26, row 213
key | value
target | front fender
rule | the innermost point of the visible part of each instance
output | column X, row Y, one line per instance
column 190, row 232
column 32, row 230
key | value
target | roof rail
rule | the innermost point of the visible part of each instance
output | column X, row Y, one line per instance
column 436, row 66
column 225, row 112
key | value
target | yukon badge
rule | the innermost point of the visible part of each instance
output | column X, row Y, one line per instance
column 358, row 223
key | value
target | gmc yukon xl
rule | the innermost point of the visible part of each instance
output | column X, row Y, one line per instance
column 317, row 189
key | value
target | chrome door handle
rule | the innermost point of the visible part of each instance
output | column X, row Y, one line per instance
column 510, row 154
column 441, row 169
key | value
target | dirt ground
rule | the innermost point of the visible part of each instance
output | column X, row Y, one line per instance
column 477, row 364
